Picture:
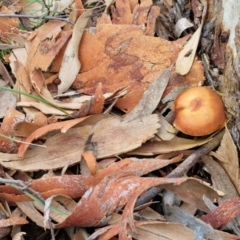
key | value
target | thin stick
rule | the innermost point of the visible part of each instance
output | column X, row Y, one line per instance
column 182, row 168
column 42, row 17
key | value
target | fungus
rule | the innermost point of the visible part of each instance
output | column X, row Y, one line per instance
column 199, row 111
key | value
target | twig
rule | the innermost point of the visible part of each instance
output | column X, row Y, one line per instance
column 22, row 186
column 182, row 168
column 46, row 6
column 42, row 17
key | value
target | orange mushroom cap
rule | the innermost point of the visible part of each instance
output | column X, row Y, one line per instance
column 199, row 111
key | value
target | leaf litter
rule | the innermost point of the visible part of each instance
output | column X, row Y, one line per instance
column 110, row 77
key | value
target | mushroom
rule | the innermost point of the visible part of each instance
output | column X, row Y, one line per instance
column 199, row 111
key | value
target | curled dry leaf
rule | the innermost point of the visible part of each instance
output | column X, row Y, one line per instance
column 91, row 161
column 134, row 186
column 71, row 64
column 186, row 56
column 76, row 185
column 181, row 25
column 99, row 203
column 18, row 236
column 223, row 214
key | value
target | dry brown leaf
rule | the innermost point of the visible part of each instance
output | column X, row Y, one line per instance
column 62, row 205
column 71, row 64
column 12, row 117
column 220, row 178
column 24, row 129
column 99, row 203
column 21, row 75
column 12, row 221
column 141, row 12
column 91, row 161
column 64, row 184
column 198, row 189
column 8, row 26
column 97, row 102
column 63, row 126
column 194, row 78
column 151, row 97
column 186, row 56
column 45, row 43
column 7, row 100
column 152, row 19
column 223, row 214
column 80, row 234
column 166, row 132
column 130, row 136
column 18, row 236
column 153, row 231
column 123, row 56
column 114, row 136
column 29, row 209
column 205, row 231
column 121, row 13
column 46, row 109
column 140, row 185
column 175, row 144
column 148, row 230
column 228, row 156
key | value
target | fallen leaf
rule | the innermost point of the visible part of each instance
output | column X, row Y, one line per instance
column 7, row 100
column 71, row 64
column 44, row 45
column 18, row 236
column 175, row 144
column 8, row 25
column 122, row 58
column 223, row 214
column 130, row 135
column 193, row 223
column 151, row 97
column 12, row 221
column 12, row 117
column 121, row 12
column 64, row 184
column 139, row 186
column 153, row 231
column 181, row 25
column 98, row 204
column 91, row 161
column 221, row 180
column 186, row 56
column 228, row 156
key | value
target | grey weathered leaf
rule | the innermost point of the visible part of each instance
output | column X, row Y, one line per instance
column 151, row 97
